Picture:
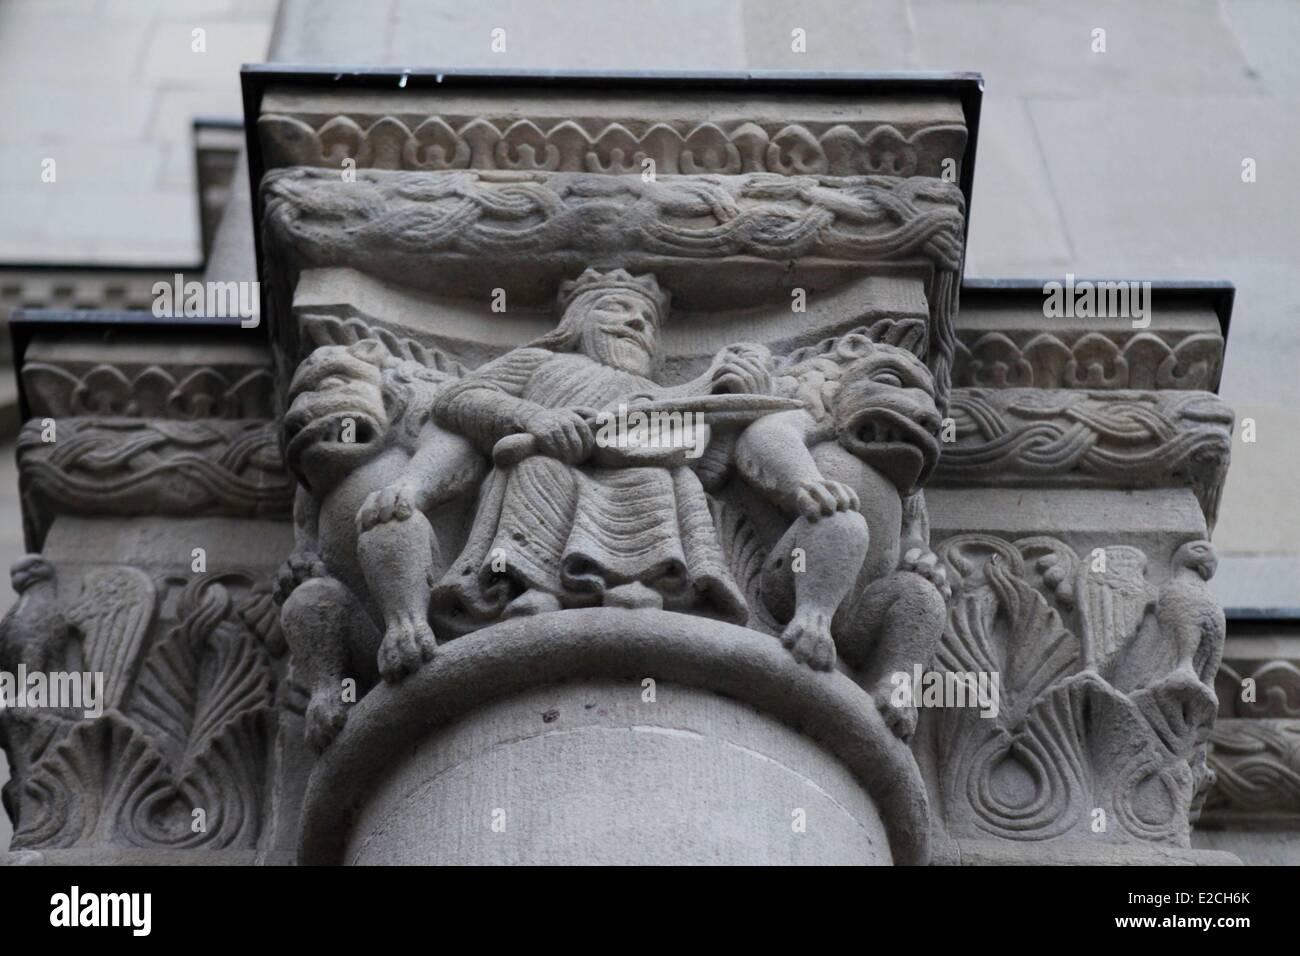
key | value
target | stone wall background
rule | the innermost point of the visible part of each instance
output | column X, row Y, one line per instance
column 1122, row 164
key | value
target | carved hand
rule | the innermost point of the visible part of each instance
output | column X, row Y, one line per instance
column 817, row 499
column 297, row 568
column 562, row 433
column 742, row 371
column 923, row 561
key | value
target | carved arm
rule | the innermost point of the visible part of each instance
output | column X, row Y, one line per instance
column 486, row 405
column 772, row 454
column 738, row 369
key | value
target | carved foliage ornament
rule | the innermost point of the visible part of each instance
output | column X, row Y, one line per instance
column 438, row 144
column 1092, row 361
column 152, row 392
column 177, row 758
column 1106, row 698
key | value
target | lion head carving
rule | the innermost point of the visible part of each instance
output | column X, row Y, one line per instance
column 880, row 400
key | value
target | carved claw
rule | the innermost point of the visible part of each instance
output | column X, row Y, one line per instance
column 809, row 639
column 926, row 563
column 393, row 503
column 297, row 568
column 899, row 719
column 408, row 643
column 819, row 499
column 326, row 714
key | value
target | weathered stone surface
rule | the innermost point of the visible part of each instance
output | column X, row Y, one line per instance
column 483, row 540
column 1257, row 774
column 554, row 132
column 189, row 682
column 842, row 744
column 1128, row 439
column 834, row 441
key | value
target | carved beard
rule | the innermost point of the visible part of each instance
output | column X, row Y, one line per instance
column 617, row 351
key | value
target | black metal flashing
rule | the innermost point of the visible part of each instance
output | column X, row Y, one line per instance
column 1217, row 294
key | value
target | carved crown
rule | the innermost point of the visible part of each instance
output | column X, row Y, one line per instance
column 594, row 281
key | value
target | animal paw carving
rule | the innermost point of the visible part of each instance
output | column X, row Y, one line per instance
column 808, row 638
column 926, row 563
column 393, row 503
column 900, row 719
column 819, row 499
column 298, row 567
column 408, row 643
column 326, row 714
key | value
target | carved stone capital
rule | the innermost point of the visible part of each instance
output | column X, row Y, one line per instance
column 174, row 758
column 1096, row 731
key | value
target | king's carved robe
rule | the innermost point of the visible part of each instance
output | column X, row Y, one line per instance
column 575, row 531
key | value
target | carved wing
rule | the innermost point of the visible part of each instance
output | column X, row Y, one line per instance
column 113, row 615
column 1113, row 597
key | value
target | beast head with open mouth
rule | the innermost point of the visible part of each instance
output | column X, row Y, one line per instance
column 336, row 411
column 885, row 415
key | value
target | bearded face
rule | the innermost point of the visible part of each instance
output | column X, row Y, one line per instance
column 620, row 329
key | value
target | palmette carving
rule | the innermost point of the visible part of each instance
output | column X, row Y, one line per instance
column 1091, row 361
column 153, row 392
column 449, row 143
column 1105, row 704
column 177, row 757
